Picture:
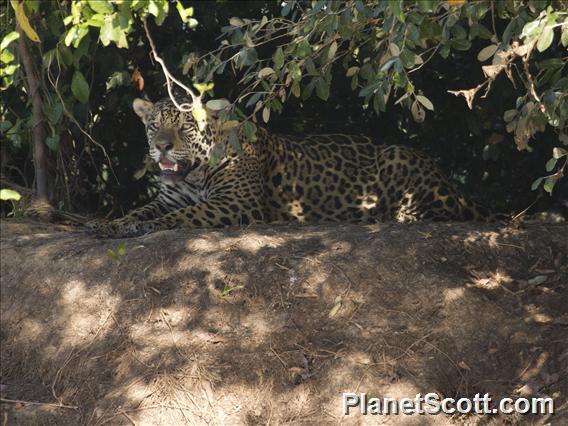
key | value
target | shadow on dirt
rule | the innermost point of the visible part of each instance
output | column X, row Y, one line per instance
column 272, row 324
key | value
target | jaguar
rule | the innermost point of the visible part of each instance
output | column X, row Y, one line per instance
column 276, row 178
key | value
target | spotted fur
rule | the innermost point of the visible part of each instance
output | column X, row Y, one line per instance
column 309, row 179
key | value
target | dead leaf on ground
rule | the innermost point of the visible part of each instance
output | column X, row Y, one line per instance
column 536, row 384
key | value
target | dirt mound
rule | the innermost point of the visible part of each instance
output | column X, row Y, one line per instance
column 272, row 324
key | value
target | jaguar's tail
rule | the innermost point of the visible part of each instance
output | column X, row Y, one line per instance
column 472, row 210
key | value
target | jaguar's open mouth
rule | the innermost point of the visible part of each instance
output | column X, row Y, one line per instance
column 172, row 171
column 167, row 166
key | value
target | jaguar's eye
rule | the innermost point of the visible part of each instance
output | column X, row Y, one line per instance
column 151, row 129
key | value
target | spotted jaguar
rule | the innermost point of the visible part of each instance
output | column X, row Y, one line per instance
column 306, row 179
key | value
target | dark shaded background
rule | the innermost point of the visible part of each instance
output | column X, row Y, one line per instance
column 471, row 146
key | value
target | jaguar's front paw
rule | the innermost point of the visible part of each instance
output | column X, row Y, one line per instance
column 96, row 227
column 120, row 229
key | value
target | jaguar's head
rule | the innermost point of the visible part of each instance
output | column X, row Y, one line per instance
column 176, row 142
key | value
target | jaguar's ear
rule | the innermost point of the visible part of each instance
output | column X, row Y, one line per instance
column 142, row 108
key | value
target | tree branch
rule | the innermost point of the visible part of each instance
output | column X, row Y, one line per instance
column 170, row 79
column 38, row 118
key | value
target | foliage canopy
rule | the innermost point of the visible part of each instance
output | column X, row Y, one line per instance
column 93, row 58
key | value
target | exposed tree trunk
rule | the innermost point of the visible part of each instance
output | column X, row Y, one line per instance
column 38, row 117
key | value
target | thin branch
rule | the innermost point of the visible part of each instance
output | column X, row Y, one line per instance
column 532, row 86
column 48, row 404
column 169, row 77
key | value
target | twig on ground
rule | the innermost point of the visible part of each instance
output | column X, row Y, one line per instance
column 279, row 358
column 48, row 404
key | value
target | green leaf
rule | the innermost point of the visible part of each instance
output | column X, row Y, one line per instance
column 444, row 51
column 265, row 72
column 234, row 141
column 379, row 101
column 332, row 51
column 285, row 8
column 253, row 99
column 9, row 194
column 371, row 88
column 110, row 253
column 236, row 21
column 394, row 49
column 549, row 184
column 427, row 5
column 118, row 79
column 203, row 87
column 217, row 104
column 481, row 31
column 322, row 89
column 487, row 52
column 6, row 56
column 79, row 87
column 396, row 8
column 545, row 39
column 54, row 112
column 303, row 49
column 250, row 130
column 9, row 70
column 158, row 8
column 107, row 31
column 550, row 164
column 278, row 58
column 101, row 6
column 564, row 36
column 351, row 71
column 97, row 20
column 266, row 114
column 121, row 249
column 536, row 184
column 417, row 112
column 70, row 35
column 8, row 38
column 460, row 44
column 23, row 21
column 52, row 142
column 425, row 101
column 64, row 55
column 184, row 13
column 83, row 31
column 296, row 91
column 530, row 29
column 295, row 71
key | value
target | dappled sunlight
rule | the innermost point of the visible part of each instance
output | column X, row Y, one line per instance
column 491, row 280
column 534, row 314
column 271, row 325
column 30, row 329
column 81, row 314
column 489, row 237
column 252, row 244
column 258, row 327
column 495, row 239
column 453, row 294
